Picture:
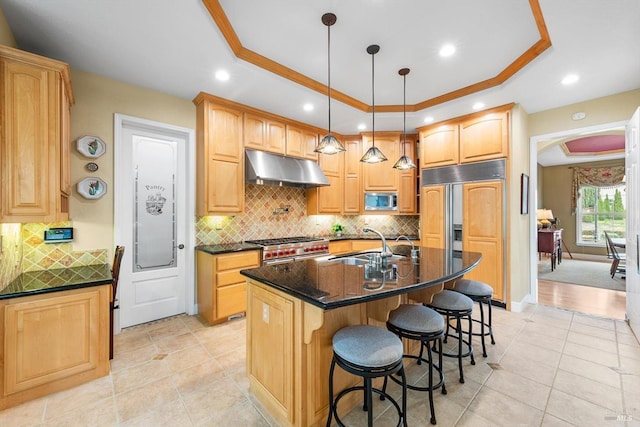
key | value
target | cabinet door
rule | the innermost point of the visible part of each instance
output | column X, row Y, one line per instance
column 222, row 132
column 381, row 176
column 65, row 141
column 276, row 137
column 225, row 186
column 339, row 247
column 432, row 214
column 301, row 143
column 29, row 149
column 332, row 164
column 484, row 137
column 482, row 231
column 326, row 200
column 54, row 338
column 407, row 196
column 253, row 128
column 353, row 194
column 439, row 146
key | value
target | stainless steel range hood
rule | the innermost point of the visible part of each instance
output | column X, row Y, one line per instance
column 272, row 169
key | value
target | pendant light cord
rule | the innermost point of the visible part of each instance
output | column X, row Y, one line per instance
column 373, row 103
column 329, row 71
column 404, row 115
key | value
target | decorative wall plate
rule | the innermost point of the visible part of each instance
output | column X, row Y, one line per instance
column 91, row 146
column 92, row 188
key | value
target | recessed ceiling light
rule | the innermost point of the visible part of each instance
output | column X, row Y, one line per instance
column 478, row 106
column 428, row 119
column 447, row 50
column 362, row 126
column 570, row 79
column 222, row 75
column 308, row 107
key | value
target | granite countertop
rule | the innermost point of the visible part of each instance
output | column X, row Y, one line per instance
column 56, row 280
column 329, row 284
column 369, row 236
column 224, row 248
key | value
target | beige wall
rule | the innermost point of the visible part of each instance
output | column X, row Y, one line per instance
column 97, row 99
column 518, row 235
column 556, row 184
column 608, row 109
column 6, row 36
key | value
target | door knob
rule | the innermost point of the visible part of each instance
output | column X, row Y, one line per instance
column 180, row 246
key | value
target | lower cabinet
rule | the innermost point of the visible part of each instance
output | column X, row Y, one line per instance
column 222, row 290
column 53, row 342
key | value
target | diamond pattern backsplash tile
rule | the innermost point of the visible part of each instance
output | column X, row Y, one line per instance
column 281, row 212
column 38, row 255
column 10, row 253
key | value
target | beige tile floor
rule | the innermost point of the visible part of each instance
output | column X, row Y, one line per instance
column 549, row 367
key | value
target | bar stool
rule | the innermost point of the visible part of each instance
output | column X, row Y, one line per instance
column 369, row 352
column 454, row 304
column 420, row 323
column 481, row 293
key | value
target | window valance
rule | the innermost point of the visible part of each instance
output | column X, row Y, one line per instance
column 598, row 177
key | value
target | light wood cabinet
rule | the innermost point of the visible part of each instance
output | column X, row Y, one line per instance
column 432, row 216
column 53, row 342
column 381, row 176
column 222, row 290
column 476, row 137
column 328, row 199
column 261, row 133
column 482, row 231
column 337, row 247
column 353, row 194
column 365, row 245
column 301, row 142
column 439, row 146
column 219, row 159
column 407, row 195
column 36, row 96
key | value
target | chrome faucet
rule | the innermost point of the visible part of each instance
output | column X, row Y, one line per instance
column 414, row 251
column 385, row 250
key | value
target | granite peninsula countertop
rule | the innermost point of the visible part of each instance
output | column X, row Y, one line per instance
column 56, row 280
column 327, row 283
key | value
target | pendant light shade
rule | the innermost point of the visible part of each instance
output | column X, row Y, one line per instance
column 404, row 162
column 329, row 143
column 373, row 154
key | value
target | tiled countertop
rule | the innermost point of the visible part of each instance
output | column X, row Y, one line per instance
column 56, row 280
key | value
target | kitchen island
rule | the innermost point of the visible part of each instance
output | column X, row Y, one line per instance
column 294, row 309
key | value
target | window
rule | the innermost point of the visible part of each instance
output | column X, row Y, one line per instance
column 600, row 209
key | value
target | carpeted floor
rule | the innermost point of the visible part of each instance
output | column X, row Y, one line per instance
column 581, row 272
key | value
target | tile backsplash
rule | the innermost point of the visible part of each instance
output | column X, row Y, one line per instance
column 38, row 255
column 281, row 212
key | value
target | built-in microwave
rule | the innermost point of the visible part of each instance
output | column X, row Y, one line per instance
column 380, row 201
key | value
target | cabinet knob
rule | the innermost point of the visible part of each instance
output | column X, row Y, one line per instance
column 180, row 246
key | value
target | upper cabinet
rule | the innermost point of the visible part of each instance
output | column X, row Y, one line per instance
column 328, row 199
column 477, row 137
column 381, row 176
column 407, row 183
column 353, row 194
column 36, row 97
column 261, row 133
column 301, row 142
column 219, row 159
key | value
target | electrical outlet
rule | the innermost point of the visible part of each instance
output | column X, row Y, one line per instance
column 265, row 312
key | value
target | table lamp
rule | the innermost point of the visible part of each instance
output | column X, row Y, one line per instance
column 545, row 217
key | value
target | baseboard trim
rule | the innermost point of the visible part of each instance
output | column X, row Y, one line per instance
column 519, row 306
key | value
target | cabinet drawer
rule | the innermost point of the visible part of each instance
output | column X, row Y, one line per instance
column 339, row 247
column 239, row 260
column 231, row 300
column 226, row 278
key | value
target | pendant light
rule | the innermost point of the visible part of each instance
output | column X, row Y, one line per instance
column 404, row 162
column 329, row 144
column 373, row 154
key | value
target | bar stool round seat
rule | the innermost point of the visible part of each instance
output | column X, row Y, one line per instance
column 423, row 324
column 481, row 293
column 455, row 305
column 369, row 352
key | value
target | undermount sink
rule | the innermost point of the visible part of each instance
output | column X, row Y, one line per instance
column 350, row 260
column 365, row 258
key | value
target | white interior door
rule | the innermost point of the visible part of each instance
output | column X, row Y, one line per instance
column 152, row 220
column 632, row 176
